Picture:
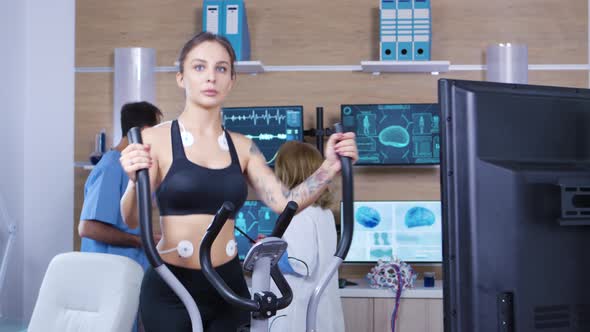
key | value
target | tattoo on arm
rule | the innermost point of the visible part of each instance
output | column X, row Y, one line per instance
column 286, row 191
column 310, row 187
column 304, row 194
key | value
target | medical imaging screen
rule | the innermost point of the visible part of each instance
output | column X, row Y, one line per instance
column 408, row 230
column 269, row 127
column 254, row 218
column 394, row 134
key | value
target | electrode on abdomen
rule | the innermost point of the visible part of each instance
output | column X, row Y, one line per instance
column 230, row 248
column 184, row 248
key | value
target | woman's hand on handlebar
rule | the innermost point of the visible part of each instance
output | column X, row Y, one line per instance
column 135, row 157
column 341, row 144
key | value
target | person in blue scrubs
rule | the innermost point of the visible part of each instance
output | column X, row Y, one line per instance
column 101, row 226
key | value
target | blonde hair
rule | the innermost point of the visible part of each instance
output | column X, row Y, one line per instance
column 295, row 162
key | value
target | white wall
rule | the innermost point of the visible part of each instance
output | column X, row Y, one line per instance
column 36, row 140
column 12, row 95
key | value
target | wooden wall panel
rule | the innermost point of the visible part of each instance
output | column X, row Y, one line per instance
column 309, row 32
column 94, row 100
column 102, row 26
column 555, row 32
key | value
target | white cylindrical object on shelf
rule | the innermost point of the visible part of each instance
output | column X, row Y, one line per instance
column 507, row 63
column 134, row 80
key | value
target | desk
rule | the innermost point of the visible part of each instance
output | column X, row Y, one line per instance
column 369, row 309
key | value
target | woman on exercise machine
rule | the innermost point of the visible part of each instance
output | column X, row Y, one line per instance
column 194, row 166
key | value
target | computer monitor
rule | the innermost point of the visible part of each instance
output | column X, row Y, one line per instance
column 254, row 218
column 394, row 134
column 515, row 175
column 409, row 230
column 269, row 127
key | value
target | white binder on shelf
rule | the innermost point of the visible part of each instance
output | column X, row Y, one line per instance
column 422, row 30
column 212, row 16
column 387, row 30
column 404, row 30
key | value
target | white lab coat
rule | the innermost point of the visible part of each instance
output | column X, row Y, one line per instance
column 311, row 237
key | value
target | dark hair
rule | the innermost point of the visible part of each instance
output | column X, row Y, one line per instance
column 203, row 37
column 296, row 161
column 139, row 114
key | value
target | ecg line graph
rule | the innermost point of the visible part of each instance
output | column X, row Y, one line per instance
column 267, row 137
column 254, row 117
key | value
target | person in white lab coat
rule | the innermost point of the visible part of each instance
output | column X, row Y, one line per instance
column 311, row 239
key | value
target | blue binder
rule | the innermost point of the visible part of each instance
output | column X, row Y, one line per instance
column 213, row 16
column 404, row 30
column 422, row 24
column 236, row 28
column 387, row 29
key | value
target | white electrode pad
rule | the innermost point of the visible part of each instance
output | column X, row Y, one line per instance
column 187, row 138
column 184, row 248
column 222, row 141
column 230, row 248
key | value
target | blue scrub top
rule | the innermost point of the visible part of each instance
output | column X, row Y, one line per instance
column 103, row 190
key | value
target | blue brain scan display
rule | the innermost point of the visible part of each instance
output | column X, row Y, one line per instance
column 269, row 127
column 254, row 218
column 394, row 134
column 367, row 216
column 409, row 230
column 419, row 216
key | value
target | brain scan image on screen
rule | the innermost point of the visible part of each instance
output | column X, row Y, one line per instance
column 410, row 230
column 419, row 216
column 367, row 216
column 394, row 134
column 373, row 217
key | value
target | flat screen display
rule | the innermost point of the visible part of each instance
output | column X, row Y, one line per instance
column 409, row 230
column 269, row 127
column 395, row 134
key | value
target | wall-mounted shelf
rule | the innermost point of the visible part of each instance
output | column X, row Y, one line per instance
column 376, row 67
column 249, row 67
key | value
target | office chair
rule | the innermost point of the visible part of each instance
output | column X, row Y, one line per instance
column 88, row 292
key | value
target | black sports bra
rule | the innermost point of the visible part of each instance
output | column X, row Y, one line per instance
column 189, row 188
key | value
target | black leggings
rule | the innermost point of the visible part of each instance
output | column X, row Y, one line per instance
column 162, row 311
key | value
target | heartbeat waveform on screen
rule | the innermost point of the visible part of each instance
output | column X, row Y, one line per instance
column 267, row 137
column 254, row 117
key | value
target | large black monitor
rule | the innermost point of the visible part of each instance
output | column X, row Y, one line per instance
column 269, row 127
column 254, row 218
column 394, row 134
column 515, row 178
column 409, row 230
